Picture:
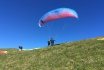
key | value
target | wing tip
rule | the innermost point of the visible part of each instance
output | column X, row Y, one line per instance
column 39, row 25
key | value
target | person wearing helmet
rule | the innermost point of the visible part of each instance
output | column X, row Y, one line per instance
column 52, row 41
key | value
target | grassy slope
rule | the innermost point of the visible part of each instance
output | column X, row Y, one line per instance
column 79, row 55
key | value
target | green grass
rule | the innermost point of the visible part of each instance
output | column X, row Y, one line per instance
column 78, row 55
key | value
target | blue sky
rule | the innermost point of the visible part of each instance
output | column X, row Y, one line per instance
column 19, row 22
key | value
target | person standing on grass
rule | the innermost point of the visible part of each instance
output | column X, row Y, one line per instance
column 20, row 48
column 48, row 43
column 52, row 41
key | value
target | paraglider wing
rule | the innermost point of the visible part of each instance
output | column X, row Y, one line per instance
column 56, row 14
column 3, row 52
